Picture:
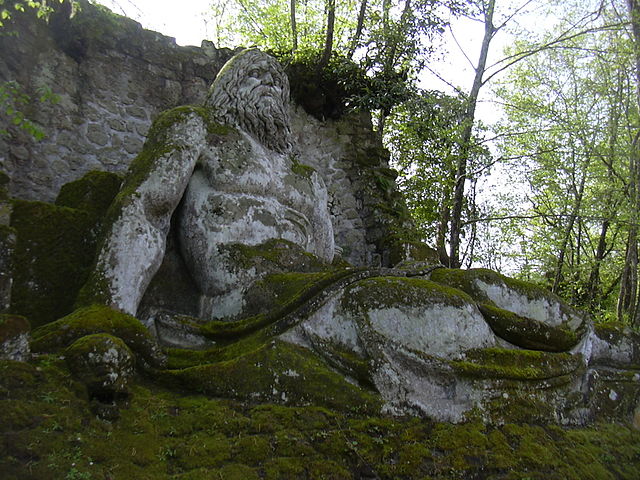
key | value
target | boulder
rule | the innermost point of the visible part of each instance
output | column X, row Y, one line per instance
column 14, row 338
column 103, row 363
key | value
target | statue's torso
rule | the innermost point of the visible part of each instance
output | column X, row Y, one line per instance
column 241, row 193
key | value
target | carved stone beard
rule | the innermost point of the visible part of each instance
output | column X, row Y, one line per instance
column 264, row 116
column 252, row 92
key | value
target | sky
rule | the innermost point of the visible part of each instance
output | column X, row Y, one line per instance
column 187, row 23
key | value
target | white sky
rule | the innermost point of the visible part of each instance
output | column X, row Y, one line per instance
column 186, row 20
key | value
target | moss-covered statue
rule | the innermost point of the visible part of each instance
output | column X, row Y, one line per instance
column 221, row 241
column 229, row 169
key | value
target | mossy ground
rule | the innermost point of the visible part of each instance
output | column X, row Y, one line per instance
column 49, row 432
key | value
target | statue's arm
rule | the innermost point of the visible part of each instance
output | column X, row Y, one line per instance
column 137, row 223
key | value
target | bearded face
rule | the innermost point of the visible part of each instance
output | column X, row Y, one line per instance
column 252, row 92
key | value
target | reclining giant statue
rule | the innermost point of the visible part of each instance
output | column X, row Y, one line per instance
column 229, row 170
column 225, row 188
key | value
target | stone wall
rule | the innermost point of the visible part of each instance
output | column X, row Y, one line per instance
column 112, row 78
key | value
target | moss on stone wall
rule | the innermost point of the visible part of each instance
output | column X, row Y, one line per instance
column 516, row 364
column 56, row 245
column 464, row 280
column 388, row 292
column 275, row 372
column 97, row 319
column 92, row 193
column 54, row 251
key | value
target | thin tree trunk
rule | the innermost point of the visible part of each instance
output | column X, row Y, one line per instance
column 463, row 158
column 328, row 45
column 593, row 285
column 629, row 280
column 359, row 27
column 294, row 26
column 445, row 216
column 627, row 301
column 569, row 229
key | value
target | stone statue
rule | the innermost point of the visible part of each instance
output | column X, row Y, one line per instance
column 226, row 180
column 228, row 172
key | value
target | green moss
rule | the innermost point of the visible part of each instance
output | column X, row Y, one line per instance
column 103, row 363
column 97, row 319
column 94, row 192
column 465, row 280
column 301, row 169
column 279, row 290
column 278, row 372
column 276, row 255
column 52, row 259
column 49, row 432
column 386, row 292
column 281, row 295
column 519, row 404
column 612, row 332
column 528, row 333
column 516, row 364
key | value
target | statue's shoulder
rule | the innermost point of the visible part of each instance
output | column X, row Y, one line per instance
column 170, row 122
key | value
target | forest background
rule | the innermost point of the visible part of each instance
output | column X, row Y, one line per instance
column 543, row 187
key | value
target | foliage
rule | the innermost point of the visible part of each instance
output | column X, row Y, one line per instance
column 341, row 86
column 389, row 48
column 425, row 135
column 8, row 7
column 567, row 139
column 13, row 102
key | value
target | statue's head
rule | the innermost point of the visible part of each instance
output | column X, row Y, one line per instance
column 252, row 92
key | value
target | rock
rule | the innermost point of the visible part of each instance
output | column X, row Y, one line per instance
column 615, row 345
column 14, row 338
column 103, row 363
column 551, row 321
column 96, row 319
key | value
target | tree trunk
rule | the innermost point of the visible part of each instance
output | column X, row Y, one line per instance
column 294, row 26
column 328, row 45
column 593, row 285
column 627, row 301
column 629, row 280
column 445, row 216
column 569, row 229
column 465, row 147
column 359, row 27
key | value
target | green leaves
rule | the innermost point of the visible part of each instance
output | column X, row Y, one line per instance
column 14, row 101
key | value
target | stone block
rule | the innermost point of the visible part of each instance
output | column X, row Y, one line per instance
column 96, row 134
